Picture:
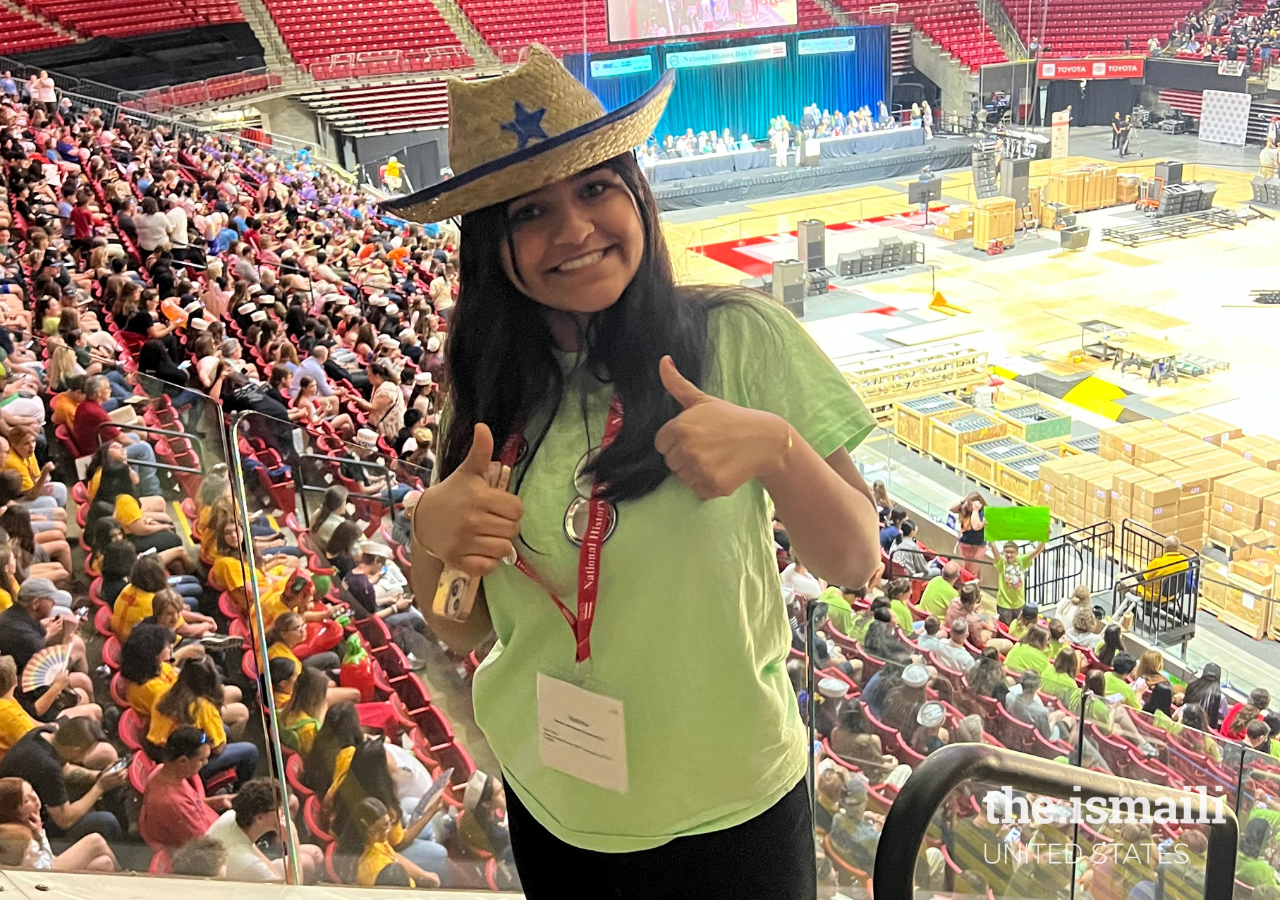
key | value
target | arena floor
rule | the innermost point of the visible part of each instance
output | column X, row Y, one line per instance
column 1025, row 305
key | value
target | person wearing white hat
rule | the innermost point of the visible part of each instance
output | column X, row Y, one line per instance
column 641, row 479
column 930, row 735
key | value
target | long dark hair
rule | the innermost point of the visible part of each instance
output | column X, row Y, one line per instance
column 502, row 365
column 198, row 680
column 341, row 729
column 140, row 654
column 1206, row 692
column 367, row 777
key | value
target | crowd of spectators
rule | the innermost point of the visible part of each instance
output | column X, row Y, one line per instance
column 153, row 284
column 1229, row 34
column 909, row 664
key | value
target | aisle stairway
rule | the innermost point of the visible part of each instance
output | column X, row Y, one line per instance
column 274, row 50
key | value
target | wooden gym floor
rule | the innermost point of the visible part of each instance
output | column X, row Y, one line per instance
column 1024, row 306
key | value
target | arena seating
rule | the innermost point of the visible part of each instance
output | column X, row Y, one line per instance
column 369, row 38
column 423, row 104
column 1082, row 27
column 18, row 34
column 958, row 27
column 136, row 16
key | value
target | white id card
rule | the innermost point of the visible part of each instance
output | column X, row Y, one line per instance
column 582, row 734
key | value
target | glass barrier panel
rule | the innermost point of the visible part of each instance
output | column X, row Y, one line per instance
column 1259, row 815
column 356, row 685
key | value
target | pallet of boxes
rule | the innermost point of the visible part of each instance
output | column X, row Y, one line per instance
column 1082, row 188
column 1228, row 489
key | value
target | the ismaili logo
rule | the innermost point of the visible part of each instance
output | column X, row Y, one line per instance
column 1004, row 808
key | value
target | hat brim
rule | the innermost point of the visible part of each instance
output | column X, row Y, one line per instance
column 540, row 164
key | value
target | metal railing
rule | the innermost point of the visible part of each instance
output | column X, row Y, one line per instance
column 946, row 769
column 1082, row 556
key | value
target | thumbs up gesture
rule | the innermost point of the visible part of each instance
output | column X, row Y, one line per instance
column 464, row 520
column 714, row 446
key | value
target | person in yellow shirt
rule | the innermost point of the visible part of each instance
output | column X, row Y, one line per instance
column 8, row 577
column 68, row 401
column 367, row 840
column 288, row 631
column 196, row 699
column 230, row 568
column 146, row 665
column 14, row 720
column 35, row 478
column 300, row 718
column 1161, row 579
column 147, row 577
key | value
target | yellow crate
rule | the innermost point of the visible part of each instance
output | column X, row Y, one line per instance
column 911, row 417
column 947, row 442
column 1021, row 485
column 981, row 463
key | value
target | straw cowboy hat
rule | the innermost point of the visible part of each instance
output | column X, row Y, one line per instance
column 525, row 130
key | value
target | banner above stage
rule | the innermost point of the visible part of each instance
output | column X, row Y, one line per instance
column 1093, row 67
column 727, row 55
column 814, row 46
column 621, row 65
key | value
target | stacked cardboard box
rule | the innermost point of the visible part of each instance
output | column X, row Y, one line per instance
column 1235, row 510
column 1127, row 188
column 1206, row 428
column 1259, row 450
column 959, row 225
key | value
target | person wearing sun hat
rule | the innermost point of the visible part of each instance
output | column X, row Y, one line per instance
column 570, row 333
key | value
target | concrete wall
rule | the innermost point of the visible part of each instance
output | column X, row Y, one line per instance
column 957, row 85
column 291, row 118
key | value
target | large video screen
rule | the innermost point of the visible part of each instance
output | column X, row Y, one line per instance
column 637, row 20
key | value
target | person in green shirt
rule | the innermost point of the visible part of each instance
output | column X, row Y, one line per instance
column 1029, row 653
column 839, row 610
column 1060, row 680
column 899, row 595
column 712, row 406
column 1011, row 574
column 1252, row 867
column 941, row 590
column 1027, row 619
column 1121, row 666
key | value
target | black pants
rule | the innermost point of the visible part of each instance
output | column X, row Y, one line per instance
column 770, row 857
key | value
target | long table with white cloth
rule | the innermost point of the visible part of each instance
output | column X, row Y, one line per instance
column 708, row 164
column 870, row 142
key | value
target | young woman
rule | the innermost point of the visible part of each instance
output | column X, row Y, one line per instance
column 287, row 633
column 197, row 699
column 369, row 775
column 570, row 334
column 365, row 849
column 146, row 665
column 972, row 545
column 169, row 610
column 301, row 717
column 20, row 805
column 117, row 496
column 334, row 745
column 1107, row 648
column 147, row 578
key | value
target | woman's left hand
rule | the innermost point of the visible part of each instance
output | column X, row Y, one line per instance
column 714, row 446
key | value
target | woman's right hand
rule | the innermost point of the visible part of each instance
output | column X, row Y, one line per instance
column 462, row 520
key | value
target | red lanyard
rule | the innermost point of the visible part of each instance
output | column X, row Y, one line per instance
column 598, row 513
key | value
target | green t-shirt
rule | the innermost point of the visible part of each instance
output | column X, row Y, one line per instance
column 1253, row 871
column 690, row 631
column 838, row 609
column 1117, row 685
column 937, row 596
column 902, row 613
column 1012, row 593
column 1055, row 684
column 1024, row 657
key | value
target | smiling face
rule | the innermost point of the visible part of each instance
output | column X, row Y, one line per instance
column 577, row 243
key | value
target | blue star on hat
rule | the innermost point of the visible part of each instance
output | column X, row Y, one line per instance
column 526, row 125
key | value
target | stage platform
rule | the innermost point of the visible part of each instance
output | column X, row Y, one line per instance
column 830, row 174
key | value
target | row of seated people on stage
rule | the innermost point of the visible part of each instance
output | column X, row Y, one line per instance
column 905, row 666
column 689, row 144
column 143, row 273
column 815, row 122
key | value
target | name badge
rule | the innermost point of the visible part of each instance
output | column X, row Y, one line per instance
column 582, row 734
